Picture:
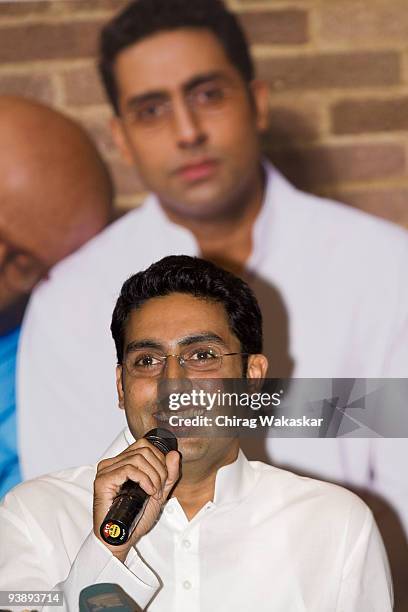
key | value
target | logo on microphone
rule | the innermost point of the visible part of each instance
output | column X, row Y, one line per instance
column 112, row 530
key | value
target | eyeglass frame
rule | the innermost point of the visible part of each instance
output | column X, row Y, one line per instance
column 190, row 99
column 180, row 358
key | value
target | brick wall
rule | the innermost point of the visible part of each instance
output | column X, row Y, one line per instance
column 338, row 75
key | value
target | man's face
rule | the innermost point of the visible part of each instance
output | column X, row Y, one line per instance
column 188, row 121
column 171, row 325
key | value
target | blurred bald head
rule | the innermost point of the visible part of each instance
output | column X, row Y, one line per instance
column 55, row 192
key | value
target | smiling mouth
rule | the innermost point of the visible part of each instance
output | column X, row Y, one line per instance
column 163, row 416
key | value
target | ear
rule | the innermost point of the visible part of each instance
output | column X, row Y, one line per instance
column 257, row 366
column 121, row 140
column 260, row 95
column 119, row 386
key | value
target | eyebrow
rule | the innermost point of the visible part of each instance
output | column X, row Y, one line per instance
column 136, row 345
column 201, row 79
column 161, row 94
column 141, row 344
column 204, row 337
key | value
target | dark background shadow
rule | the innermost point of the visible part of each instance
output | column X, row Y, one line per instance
column 290, row 143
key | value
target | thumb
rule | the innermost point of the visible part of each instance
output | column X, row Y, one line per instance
column 173, row 463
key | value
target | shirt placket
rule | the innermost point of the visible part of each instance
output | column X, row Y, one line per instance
column 186, row 538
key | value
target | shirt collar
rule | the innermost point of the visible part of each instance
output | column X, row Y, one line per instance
column 266, row 229
column 232, row 483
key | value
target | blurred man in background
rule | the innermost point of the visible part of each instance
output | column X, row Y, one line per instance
column 55, row 194
column 188, row 114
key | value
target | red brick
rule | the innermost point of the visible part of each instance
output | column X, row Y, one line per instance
column 20, row 8
column 363, row 21
column 49, row 41
column 285, row 27
column 292, row 122
column 30, row 85
column 79, row 6
column 390, row 204
column 360, row 116
column 83, row 86
column 321, row 165
column 353, row 70
column 101, row 134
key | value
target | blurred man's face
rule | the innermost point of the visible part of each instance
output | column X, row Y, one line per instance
column 189, row 122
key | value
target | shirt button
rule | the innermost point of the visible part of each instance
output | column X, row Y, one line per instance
column 186, row 543
column 169, row 510
column 187, row 585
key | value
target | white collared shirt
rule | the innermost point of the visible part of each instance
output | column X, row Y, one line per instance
column 271, row 541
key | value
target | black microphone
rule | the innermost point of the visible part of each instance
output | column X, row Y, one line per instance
column 129, row 504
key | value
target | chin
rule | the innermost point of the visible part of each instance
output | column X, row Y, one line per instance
column 192, row 449
column 201, row 202
column 141, row 430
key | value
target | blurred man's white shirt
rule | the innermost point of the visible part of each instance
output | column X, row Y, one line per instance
column 341, row 276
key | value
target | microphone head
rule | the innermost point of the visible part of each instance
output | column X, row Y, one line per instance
column 163, row 439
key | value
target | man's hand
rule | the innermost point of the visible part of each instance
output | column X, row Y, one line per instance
column 156, row 474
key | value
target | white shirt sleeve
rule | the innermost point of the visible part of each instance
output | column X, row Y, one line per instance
column 366, row 584
column 95, row 564
column 30, row 561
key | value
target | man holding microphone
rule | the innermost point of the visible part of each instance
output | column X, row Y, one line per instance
column 301, row 544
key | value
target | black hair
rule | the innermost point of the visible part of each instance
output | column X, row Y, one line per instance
column 201, row 279
column 143, row 18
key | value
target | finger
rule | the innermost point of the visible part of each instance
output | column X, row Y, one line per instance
column 133, row 458
column 109, row 484
column 103, row 464
column 154, row 456
column 143, row 443
column 157, row 473
column 140, row 444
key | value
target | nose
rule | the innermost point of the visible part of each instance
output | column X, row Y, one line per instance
column 173, row 379
column 188, row 127
column 172, row 368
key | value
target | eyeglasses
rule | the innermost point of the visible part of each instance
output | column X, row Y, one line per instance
column 204, row 98
column 146, row 364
